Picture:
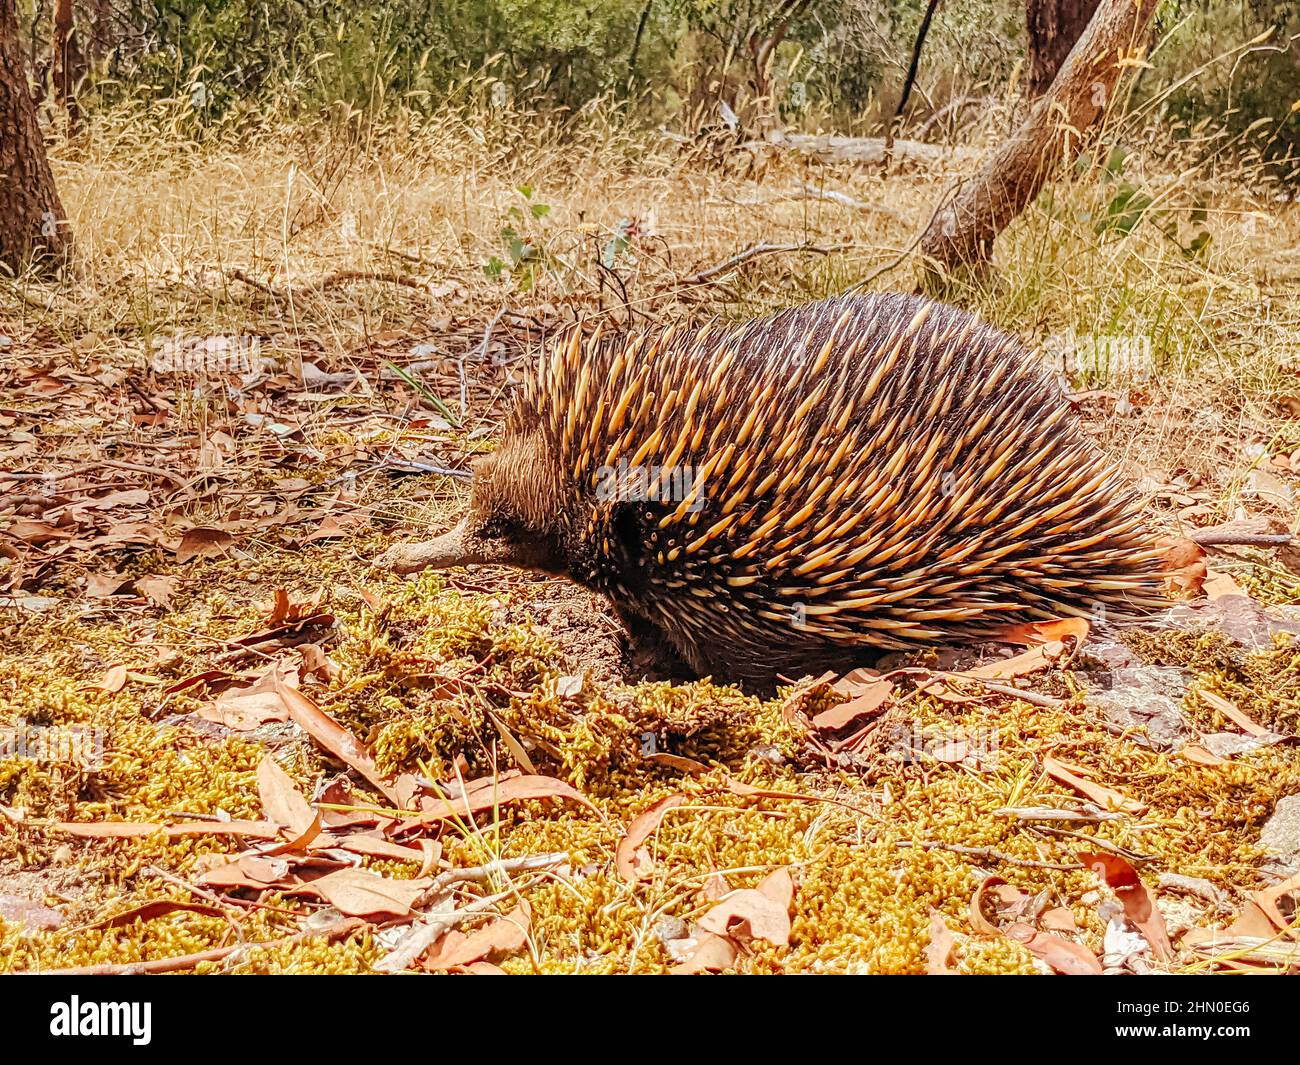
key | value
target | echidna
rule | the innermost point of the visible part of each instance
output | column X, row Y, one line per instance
column 865, row 472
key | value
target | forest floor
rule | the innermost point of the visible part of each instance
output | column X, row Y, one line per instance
column 233, row 745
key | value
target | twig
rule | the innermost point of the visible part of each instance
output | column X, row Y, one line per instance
column 1033, row 698
column 482, row 356
column 1046, row 813
column 339, row 277
column 755, row 250
column 988, row 853
column 479, row 873
column 1226, row 539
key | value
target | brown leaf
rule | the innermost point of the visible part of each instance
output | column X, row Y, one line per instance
column 868, row 701
column 1073, row 959
column 203, row 542
column 1136, row 898
column 486, row 796
column 755, row 913
column 158, row 590
column 1004, row 898
column 505, row 935
column 358, row 893
column 938, row 955
column 1194, row 752
column 712, row 954
column 150, row 911
column 1267, row 901
column 1229, row 710
column 1107, row 798
column 246, row 707
column 282, row 802
column 632, row 863
column 332, row 736
column 1217, row 585
column 113, row 681
column 1033, row 633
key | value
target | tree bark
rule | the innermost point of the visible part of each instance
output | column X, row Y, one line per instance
column 1054, row 27
column 68, row 63
column 32, row 221
column 1051, row 136
column 763, row 42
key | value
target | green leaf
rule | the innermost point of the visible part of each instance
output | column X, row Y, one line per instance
column 416, row 384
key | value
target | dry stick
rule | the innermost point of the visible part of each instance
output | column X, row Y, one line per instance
column 479, row 873
column 189, row 961
column 989, row 853
column 1005, row 689
column 753, row 251
column 1229, row 539
column 333, row 280
column 482, row 355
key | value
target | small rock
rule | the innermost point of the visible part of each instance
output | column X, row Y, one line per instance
column 1281, row 835
column 1227, row 744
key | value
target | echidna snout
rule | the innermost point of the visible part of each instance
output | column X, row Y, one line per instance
column 786, row 495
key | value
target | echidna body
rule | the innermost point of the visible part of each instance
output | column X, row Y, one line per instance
column 779, row 497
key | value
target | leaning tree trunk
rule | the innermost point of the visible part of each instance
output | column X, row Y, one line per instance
column 68, row 66
column 1054, row 27
column 962, row 233
column 32, row 222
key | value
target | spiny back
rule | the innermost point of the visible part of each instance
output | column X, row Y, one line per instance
column 872, row 470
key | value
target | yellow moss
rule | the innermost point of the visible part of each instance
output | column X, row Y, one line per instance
column 431, row 676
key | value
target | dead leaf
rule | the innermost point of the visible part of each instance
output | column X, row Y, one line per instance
column 632, row 863
column 113, row 681
column 1073, row 959
column 1033, row 633
column 710, row 953
column 150, row 911
column 158, row 590
column 755, row 913
column 203, row 542
column 282, row 802
column 358, row 893
column 1138, row 901
column 938, row 955
column 505, row 935
column 332, row 736
column 868, row 701
column 1107, row 798
column 1229, row 710
column 1217, row 585
column 506, row 790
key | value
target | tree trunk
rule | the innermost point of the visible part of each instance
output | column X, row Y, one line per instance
column 1054, row 27
column 763, row 42
column 32, row 222
column 1051, row 136
column 69, row 65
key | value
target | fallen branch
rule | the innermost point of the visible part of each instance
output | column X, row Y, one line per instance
column 339, row 277
column 753, row 252
column 1210, row 538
